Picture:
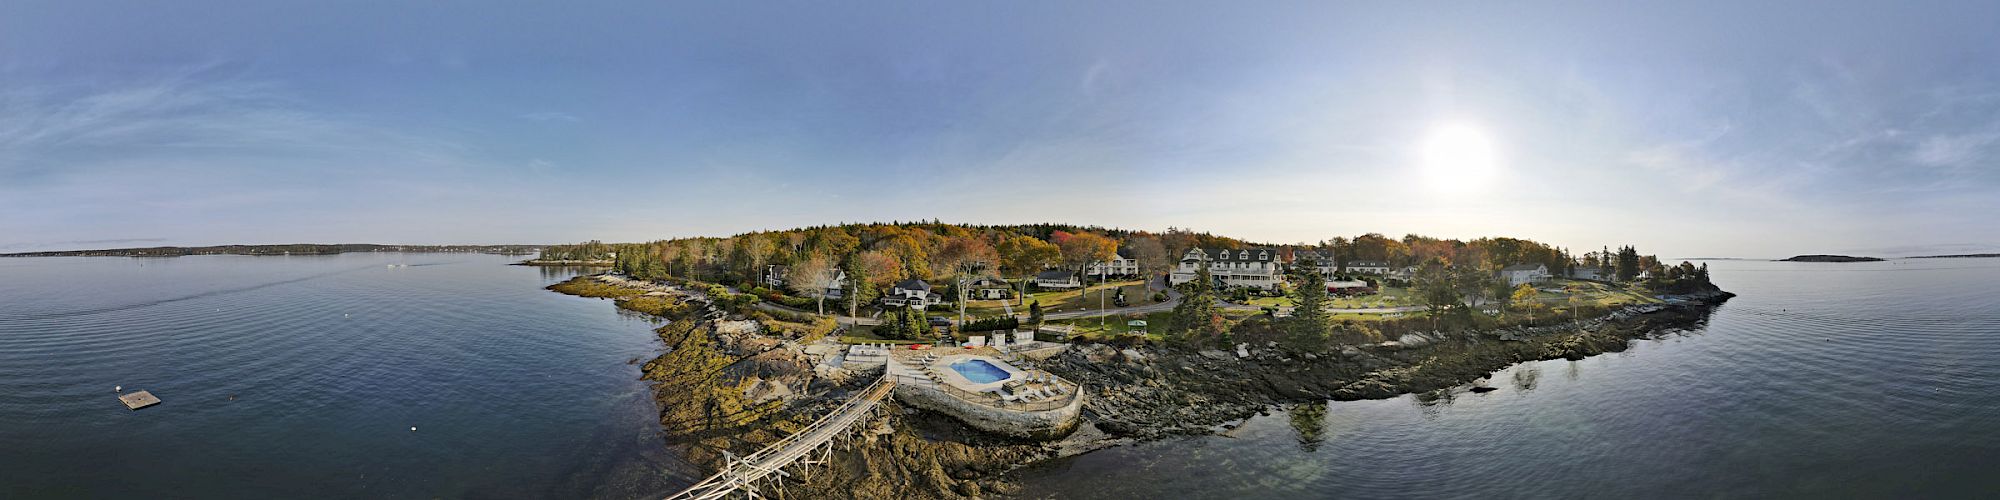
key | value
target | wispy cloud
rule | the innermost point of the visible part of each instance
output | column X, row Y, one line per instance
column 1955, row 150
column 551, row 116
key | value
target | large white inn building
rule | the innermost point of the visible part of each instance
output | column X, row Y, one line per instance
column 1247, row 267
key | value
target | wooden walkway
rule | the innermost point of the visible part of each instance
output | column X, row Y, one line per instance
column 811, row 446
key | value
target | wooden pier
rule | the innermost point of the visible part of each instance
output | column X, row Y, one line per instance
column 810, row 446
column 138, row 399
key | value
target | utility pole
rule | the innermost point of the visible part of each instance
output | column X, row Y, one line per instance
column 1100, row 294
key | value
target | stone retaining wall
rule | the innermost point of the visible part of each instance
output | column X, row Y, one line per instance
column 1044, row 425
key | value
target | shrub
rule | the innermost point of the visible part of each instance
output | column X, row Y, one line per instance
column 1160, row 296
column 994, row 323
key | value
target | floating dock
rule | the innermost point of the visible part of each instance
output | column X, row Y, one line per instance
column 138, row 399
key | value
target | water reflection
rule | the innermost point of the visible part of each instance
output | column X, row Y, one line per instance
column 1308, row 424
column 1526, row 376
column 567, row 272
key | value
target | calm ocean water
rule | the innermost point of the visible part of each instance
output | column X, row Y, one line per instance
column 1820, row 380
column 515, row 391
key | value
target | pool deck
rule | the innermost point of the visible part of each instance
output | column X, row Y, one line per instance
column 1012, row 406
column 952, row 377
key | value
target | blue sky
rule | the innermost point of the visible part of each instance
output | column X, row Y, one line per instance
column 1689, row 128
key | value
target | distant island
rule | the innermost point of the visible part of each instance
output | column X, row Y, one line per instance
column 292, row 249
column 1829, row 258
column 1960, row 256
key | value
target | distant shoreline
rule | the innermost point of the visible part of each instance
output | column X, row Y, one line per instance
column 1959, row 256
column 1830, row 258
column 580, row 263
column 290, row 249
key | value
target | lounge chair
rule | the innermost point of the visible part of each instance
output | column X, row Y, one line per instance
column 1010, row 397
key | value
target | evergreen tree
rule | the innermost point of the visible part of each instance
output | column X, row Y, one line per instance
column 1035, row 312
column 916, row 323
column 1628, row 263
column 1307, row 329
column 1195, row 319
column 857, row 280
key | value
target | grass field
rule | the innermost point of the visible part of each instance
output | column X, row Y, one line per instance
column 1067, row 300
column 1115, row 326
column 1590, row 293
column 1387, row 297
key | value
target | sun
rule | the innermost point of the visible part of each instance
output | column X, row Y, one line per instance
column 1458, row 157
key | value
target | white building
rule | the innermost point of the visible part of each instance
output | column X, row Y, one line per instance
column 774, row 276
column 1525, row 273
column 914, row 293
column 1327, row 266
column 1121, row 264
column 989, row 288
column 1245, row 267
column 1320, row 261
column 1586, row 273
column 1057, row 279
column 1368, row 266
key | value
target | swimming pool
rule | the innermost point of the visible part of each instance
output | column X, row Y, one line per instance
column 979, row 371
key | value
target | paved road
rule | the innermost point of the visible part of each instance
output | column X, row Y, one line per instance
column 1158, row 284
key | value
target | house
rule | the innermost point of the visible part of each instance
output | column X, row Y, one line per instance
column 989, row 288
column 1321, row 261
column 1525, row 273
column 1246, row 267
column 913, row 293
column 839, row 287
column 1368, row 266
column 1327, row 266
column 1122, row 264
column 774, row 276
column 1057, row 279
column 1586, row 273
column 1349, row 286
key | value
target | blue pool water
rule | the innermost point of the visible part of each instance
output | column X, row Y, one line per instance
column 979, row 371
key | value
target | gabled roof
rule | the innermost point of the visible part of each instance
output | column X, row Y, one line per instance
column 913, row 285
column 1521, row 267
column 1241, row 254
column 988, row 281
column 1055, row 274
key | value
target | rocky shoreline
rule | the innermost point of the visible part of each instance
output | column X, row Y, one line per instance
column 723, row 385
column 1148, row 393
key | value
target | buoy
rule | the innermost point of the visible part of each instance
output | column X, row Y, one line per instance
column 413, row 429
column 117, row 388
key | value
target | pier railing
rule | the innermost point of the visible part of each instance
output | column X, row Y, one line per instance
column 810, row 446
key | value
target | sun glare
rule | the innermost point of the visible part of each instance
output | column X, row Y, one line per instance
column 1458, row 158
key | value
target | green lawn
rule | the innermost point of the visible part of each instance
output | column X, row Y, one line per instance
column 1593, row 294
column 1067, row 300
column 1388, row 297
column 1108, row 327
